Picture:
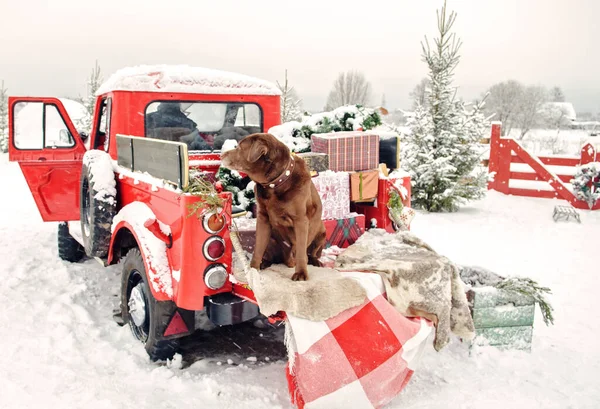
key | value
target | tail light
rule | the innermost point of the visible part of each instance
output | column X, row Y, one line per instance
column 214, row 248
column 213, row 222
column 215, row 276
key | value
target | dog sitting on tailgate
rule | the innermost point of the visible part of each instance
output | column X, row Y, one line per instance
column 289, row 228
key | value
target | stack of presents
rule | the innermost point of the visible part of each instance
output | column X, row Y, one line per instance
column 351, row 173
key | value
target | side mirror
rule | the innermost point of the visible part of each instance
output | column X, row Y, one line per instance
column 84, row 135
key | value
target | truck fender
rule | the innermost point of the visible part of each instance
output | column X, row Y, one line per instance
column 128, row 226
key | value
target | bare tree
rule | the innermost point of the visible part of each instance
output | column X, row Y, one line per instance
column 503, row 102
column 557, row 95
column 291, row 105
column 3, row 118
column 349, row 88
column 419, row 94
column 530, row 108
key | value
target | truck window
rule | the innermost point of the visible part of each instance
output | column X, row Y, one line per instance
column 56, row 133
column 38, row 125
column 203, row 126
column 103, row 125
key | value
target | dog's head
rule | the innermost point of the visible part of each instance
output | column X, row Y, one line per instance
column 260, row 156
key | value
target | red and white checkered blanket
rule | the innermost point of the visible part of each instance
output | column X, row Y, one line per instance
column 361, row 358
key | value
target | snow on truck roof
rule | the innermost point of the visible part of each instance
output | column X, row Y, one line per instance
column 185, row 79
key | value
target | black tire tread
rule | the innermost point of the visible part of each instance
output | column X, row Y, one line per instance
column 101, row 217
column 69, row 249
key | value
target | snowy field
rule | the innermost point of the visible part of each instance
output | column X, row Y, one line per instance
column 61, row 348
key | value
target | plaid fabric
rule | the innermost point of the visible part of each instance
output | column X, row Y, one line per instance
column 319, row 162
column 360, row 359
column 344, row 232
column 348, row 151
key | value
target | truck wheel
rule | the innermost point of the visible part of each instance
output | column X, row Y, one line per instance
column 69, row 249
column 97, row 203
column 145, row 316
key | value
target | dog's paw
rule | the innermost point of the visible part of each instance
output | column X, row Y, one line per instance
column 300, row 276
column 313, row 261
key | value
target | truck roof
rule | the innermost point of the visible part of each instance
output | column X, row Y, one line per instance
column 185, row 79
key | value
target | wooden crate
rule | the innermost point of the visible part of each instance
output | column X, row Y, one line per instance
column 502, row 319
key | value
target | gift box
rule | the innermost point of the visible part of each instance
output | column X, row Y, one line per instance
column 345, row 231
column 348, row 151
column 364, row 185
column 389, row 151
column 334, row 191
column 502, row 319
column 317, row 162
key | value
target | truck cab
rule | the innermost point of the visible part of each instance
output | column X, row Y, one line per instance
column 120, row 193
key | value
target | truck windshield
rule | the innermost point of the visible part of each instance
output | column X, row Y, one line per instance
column 203, row 126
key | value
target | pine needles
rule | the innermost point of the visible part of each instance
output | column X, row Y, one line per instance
column 211, row 201
column 530, row 288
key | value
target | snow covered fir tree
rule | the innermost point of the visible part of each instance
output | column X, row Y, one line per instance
column 3, row 118
column 93, row 83
column 291, row 105
column 441, row 152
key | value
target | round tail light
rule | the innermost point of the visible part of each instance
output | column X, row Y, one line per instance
column 215, row 277
column 213, row 222
column 214, row 248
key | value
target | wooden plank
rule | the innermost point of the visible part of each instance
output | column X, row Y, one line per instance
column 164, row 160
column 504, row 316
column 547, row 194
column 549, row 160
column 504, row 336
column 125, row 152
column 535, row 176
column 488, row 297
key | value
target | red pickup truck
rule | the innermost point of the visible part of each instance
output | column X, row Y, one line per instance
column 119, row 194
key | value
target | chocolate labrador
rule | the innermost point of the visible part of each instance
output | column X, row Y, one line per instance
column 289, row 228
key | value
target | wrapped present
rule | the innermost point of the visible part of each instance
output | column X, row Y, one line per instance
column 345, row 231
column 348, row 151
column 334, row 191
column 364, row 185
column 389, row 151
column 318, row 162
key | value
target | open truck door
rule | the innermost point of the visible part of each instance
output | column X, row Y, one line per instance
column 49, row 150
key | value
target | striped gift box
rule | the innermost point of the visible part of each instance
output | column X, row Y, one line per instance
column 348, row 151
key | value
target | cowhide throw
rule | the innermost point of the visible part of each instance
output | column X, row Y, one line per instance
column 418, row 281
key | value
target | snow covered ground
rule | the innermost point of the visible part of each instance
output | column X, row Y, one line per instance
column 61, row 348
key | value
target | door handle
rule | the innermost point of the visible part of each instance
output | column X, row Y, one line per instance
column 42, row 159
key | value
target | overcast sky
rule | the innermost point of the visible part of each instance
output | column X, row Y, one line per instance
column 47, row 48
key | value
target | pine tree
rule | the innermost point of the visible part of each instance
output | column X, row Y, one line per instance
column 3, row 119
column 291, row 105
column 441, row 153
column 94, row 82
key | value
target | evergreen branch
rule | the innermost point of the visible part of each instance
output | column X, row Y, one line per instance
column 530, row 288
column 211, row 201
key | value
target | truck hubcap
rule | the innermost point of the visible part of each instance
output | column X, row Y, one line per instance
column 137, row 305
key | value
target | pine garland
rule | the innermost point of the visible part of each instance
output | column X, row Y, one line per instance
column 211, row 201
column 530, row 288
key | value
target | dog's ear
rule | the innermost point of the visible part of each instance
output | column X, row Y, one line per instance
column 258, row 149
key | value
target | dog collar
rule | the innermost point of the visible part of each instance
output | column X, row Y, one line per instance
column 285, row 175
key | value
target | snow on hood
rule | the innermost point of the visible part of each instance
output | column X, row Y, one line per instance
column 183, row 78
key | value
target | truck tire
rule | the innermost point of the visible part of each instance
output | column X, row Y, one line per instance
column 146, row 316
column 69, row 249
column 98, row 203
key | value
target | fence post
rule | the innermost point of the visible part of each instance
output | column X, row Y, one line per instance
column 494, row 155
column 588, row 154
column 499, row 161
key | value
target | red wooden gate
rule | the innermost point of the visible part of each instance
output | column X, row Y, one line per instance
column 504, row 151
